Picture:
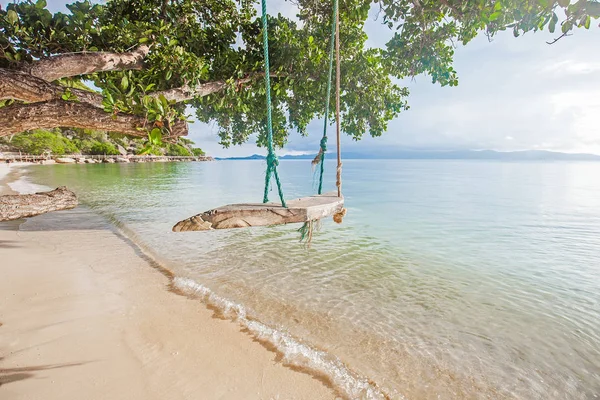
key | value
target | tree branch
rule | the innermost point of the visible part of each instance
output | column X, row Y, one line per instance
column 74, row 64
column 185, row 93
column 19, row 118
column 17, row 85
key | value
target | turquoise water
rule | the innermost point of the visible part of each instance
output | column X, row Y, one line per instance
column 447, row 279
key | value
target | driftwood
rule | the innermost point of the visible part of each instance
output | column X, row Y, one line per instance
column 28, row 205
column 247, row 215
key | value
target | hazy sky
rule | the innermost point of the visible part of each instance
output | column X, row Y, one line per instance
column 513, row 94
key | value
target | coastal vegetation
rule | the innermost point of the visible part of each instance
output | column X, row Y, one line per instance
column 90, row 142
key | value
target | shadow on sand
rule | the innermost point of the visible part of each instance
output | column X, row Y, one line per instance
column 10, row 375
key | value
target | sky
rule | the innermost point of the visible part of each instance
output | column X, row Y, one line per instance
column 513, row 94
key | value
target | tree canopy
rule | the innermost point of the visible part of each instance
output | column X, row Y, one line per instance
column 137, row 66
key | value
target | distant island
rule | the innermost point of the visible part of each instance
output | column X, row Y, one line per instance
column 528, row 155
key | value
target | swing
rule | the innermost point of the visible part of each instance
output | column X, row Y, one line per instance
column 306, row 209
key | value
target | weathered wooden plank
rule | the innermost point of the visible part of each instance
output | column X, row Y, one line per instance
column 263, row 214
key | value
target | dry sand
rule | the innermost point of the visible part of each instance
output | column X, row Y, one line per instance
column 86, row 316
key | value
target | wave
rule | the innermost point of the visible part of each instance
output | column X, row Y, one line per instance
column 295, row 353
column 23, row 185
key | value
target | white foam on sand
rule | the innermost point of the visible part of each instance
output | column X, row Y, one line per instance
column 24, row 186
column 294, row 352
column 4, row 170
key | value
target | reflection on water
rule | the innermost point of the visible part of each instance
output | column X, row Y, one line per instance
column 449, row 279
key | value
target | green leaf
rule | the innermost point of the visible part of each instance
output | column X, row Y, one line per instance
column 495, row 16
column 159, row 105
column 497, row 6
column 155, row 136
column 553, row 21
column 12, row 17
column 588, row 21
column 567, row 26
column 40, row 4
column 164, row 101
column 169, row 74
column 124, row 82
column 143, row 40
column 311, row 39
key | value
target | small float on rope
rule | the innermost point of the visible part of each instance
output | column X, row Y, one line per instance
column 305, row 210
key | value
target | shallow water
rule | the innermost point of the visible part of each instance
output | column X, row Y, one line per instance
column 447, row 279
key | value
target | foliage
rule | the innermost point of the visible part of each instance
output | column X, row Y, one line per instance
column 151, row 149
column 104, row 148
column 177, row 150
column 84, row 141
column 193, row 42
column 40, row 142
column 198, row 152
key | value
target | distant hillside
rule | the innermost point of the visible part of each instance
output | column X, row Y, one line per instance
column 529, row 155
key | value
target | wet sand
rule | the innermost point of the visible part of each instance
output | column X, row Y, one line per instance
column 85, row 315
column 5, row 172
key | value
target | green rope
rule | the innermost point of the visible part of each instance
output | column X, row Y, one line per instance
column 329, row 80
column 272, row 161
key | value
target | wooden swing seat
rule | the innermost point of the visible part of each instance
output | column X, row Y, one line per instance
column 264, row 214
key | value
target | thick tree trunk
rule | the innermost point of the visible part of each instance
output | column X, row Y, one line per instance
column 22, row 86
column 19, row 118
column 33, row 84
column 28, row 205
column 67, row 65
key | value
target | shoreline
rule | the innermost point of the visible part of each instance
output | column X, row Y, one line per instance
column 77, row 319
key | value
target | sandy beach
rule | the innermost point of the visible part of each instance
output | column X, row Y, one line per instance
column 5, row 171
column 84, row 314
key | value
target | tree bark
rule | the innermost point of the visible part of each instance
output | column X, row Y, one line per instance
column 18, row 85
column 29, row 205
column 32, row 84
column 74, row 64
column 19, row 118
column 186, row 93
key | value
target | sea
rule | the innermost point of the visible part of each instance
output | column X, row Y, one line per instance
column 448, row 279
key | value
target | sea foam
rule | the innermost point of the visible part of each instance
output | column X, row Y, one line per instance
column 294, row 352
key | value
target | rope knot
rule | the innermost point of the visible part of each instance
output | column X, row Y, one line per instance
column 272, row 160
column 324, row 143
